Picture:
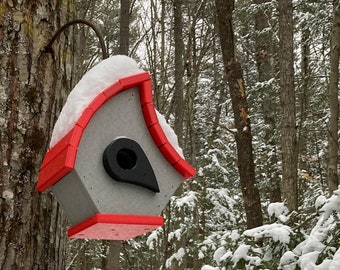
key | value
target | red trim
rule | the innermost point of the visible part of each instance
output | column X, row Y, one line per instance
column 97, row 102
column 158, row 135
column 58, row 168
column 115, row 226
column 113, row 89
column 146, row 93
column 59, row 147
column 60, row 159
column 170, row 153
column 134, row 80
column 85, row 116
column 150, row 115
column 182, row 167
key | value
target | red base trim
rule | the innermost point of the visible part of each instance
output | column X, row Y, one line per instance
column 115, row 226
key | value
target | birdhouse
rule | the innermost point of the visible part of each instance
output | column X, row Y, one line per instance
column 116, row 166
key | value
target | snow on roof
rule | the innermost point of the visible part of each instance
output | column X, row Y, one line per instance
column 93, row 83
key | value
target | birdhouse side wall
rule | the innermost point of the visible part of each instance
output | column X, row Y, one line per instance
column 74, row 198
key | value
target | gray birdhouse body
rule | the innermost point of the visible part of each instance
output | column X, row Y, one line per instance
column 116, row 170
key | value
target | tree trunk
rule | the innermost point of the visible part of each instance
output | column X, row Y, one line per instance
column 263, row 41
column 112, row 260
column 243, row 136
column 263, row 49
column 333, row 147
column 32, row 228
column 304, row 96
column 179, row 70
column 288, row 122
column 124, row 27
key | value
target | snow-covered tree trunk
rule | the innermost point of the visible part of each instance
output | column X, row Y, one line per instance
column 288, row 113
column 32, row 233
column 243, row 136
column 333, row 146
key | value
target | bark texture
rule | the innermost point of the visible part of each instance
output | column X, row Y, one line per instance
column 243, row 136
column 113, row 257
column 179, row 70
column 32, row 233
column 288, row 114
column 264, row 48
column 112, row 261
column 333, row 147
column 124, row 27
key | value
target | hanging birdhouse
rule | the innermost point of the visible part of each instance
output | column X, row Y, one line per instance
column 113, row 163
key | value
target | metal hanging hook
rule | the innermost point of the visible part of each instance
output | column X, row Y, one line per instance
column 79, row 21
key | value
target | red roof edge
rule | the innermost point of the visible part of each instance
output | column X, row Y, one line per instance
column 157, row 133
column 60, row 159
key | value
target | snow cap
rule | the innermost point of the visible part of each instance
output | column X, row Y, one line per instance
column 92, row 83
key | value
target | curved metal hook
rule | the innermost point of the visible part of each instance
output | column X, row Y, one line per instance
column 80, row 21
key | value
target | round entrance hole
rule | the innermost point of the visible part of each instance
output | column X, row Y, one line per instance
column 126, row 159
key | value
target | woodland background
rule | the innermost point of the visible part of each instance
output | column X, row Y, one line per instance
column 250, row 87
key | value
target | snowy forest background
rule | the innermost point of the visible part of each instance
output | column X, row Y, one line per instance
column 205, row 223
